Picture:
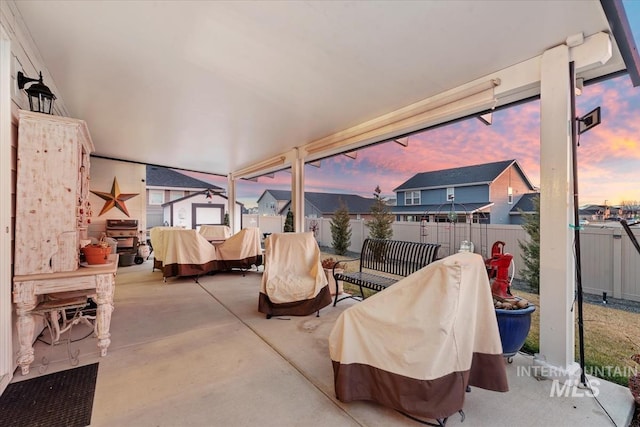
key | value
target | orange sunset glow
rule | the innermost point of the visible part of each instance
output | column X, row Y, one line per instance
column 608, row 155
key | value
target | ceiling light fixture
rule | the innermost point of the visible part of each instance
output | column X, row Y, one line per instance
column 404, row 141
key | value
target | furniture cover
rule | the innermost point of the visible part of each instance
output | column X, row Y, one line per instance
column 215, row 233
column 242, row 250
column 417, row 345
column 157, row 236
column 186, row 253
column 293, row 282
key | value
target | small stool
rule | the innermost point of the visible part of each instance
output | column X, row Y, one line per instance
column 54, row 311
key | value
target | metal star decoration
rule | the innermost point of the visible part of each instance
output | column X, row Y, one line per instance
column 114, row 199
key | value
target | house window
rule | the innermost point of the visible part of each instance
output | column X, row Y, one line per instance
column 412, row 198
column 450, row 194
column 510, row 195
column 175, row 195
column 156, row 197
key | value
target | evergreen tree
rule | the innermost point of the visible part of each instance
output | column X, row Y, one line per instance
column 341, row 229
column 226, row 219
column 288, row 222
column 381, row 219
column 531, row 248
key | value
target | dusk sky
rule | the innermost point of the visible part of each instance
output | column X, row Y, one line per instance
column 608, row 156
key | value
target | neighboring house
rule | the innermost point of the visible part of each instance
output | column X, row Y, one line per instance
column 484, row 192
column 523, row 205
column 271, row 202
column 165, row 185
column 316, row 205
column 594, row 213
column 202, row 208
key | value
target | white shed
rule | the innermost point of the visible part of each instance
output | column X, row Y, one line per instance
column 197, row 209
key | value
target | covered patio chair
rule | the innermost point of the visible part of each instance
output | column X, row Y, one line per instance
column 241, row 251
column 293, row 282
column 215, row 233
column 187, row 253
column 417, row 346
column 157, row 237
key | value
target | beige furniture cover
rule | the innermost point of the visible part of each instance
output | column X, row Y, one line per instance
column 215, row 233
column 417, row 345
column 186, row 253
column 157, row 237
column 242, row 250
column 293, row 282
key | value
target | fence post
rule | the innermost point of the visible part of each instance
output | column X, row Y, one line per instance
column 617, row 263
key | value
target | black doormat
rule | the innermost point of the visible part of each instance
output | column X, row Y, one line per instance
column 60, row 399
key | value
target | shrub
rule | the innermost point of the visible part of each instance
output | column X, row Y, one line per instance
column 288, row 222
column 531, row 248
column 341, row 229
column 381, row 219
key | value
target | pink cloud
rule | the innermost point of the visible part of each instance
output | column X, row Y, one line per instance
column 608, row 155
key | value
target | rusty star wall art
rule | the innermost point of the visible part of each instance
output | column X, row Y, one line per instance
column 115, row 198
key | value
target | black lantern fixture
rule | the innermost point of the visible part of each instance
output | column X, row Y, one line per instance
column 40, row 96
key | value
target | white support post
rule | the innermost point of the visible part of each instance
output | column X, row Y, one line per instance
column 557, row 268
column 297, row 192
column 234, row 223
column 6, row 307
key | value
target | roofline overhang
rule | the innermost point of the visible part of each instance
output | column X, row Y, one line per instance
column 617, row 17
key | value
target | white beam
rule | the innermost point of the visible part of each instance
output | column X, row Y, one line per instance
column 557, row 263
column 234, row 223
column 297, row 193
column 6, row 308
column 557, row 268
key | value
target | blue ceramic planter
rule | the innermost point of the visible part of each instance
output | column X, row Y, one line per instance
column 514, row 327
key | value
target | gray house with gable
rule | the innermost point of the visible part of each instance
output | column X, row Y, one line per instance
column 316, row 205
column 485, row 192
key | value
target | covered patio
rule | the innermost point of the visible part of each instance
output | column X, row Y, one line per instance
column 184, row 353
column 243, row 89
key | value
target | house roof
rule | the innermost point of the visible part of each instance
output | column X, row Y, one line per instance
column 326, row 202
column 330, row 202
column 281, row 195
column 164, row 177
column 484, row 173
column 593, row 209
column 524, row 204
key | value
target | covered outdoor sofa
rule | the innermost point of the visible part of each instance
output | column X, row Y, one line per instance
column 417, row 345
column 186, row 252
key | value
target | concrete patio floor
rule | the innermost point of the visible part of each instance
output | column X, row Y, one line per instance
column 189, row 354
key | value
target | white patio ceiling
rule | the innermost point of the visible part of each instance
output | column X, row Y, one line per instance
column 217, row 86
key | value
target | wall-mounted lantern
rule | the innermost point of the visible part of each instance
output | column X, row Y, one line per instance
column 40, row 96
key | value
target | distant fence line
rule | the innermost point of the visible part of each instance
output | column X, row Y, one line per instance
column 610, row 263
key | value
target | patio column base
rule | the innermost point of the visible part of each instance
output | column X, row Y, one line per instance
column 565, row 374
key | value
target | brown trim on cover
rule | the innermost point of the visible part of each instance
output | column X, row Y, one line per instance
column 170, row 270
column 295, row 308
column 433, row 399
column 488, row 372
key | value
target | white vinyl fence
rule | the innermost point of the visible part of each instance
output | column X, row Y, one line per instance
column 610, row 263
